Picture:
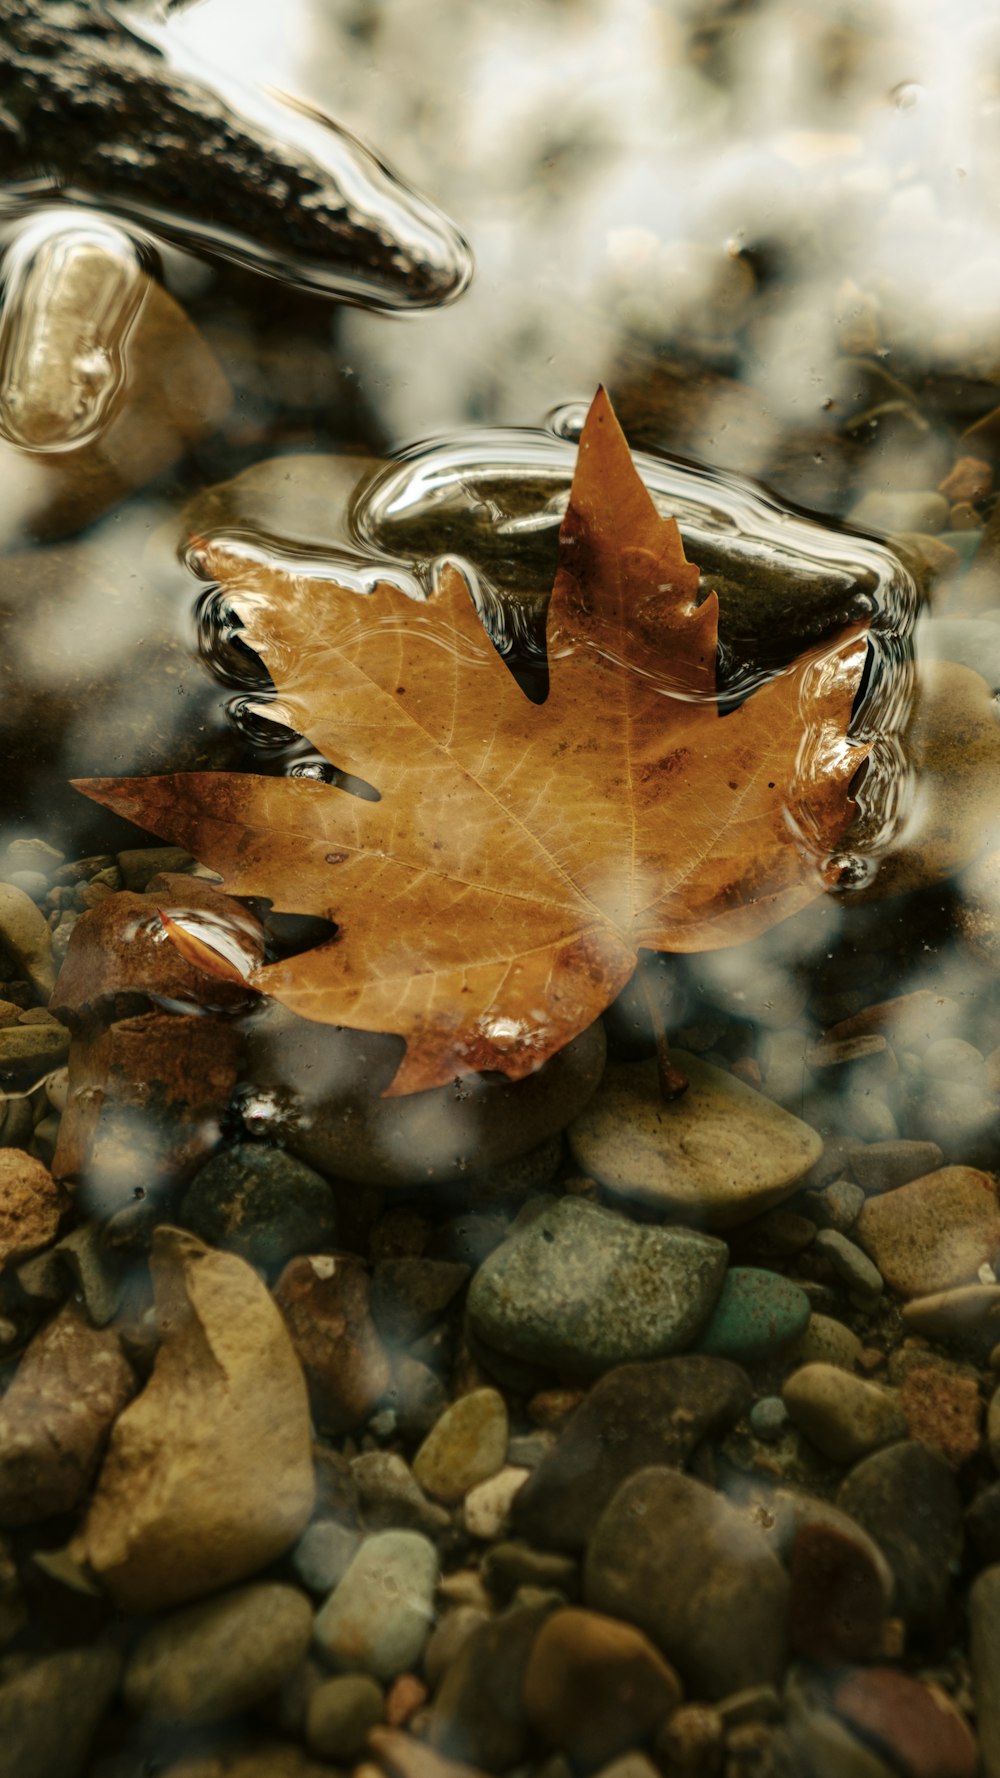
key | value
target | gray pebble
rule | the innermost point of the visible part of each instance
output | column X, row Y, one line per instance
column 378, row 1617
column 882, row 1166
column 261, row 1203
column 907, row 1499
column 324, row 1553
column 951, row 1058
column 582, row 1289
column 854, row 1269
column 769, row 1417
column 391, row 1497
column 837, row 1206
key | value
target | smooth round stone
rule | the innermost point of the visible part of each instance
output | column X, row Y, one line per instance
column 968, row 1316
column 769, row 1418
column 340, row 1714
column 757, row 1313
column 907, row 1499
column 261, row 1203
column 916, row 1725
column 324, row 1553
column 581, row 1289
column 698, row 1576
column 214, row 1659
column 984, row 1650
column 486, row 1511
column 594, row 1686
column 934, row 1233
column 50, row 1709
column 882, row 1166
column 25, row 936
column 852, row 1266
column 379, row 1615
column 718, row 1155
column 827, row 1341
column 29, row 1206
column 319, row 1090
column 466, row 1446
column 844, row 1416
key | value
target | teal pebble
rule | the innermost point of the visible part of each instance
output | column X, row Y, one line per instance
column 757, row 1313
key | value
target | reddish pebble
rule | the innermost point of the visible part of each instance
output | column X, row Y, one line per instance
column 943, row 1411
column 404, row 1698
column 915, row 1725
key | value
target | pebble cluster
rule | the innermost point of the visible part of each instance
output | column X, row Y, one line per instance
column 668, row 1446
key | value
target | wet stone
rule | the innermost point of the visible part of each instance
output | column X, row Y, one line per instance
column 677, row 1560
column 853, row 1267
column 837, row 1206
column 827, row 1341
column 906, row 1498
column 218, row 1658
column 595, row 1687
column 717, row 1156
column 260, row 1203
column 411, row 1293
column 984, row 1650
column 378, row 1617
column 324, row 1553
column 324, row 1299
column 465, row 1447
column 26, row 939
column 581, row 1289
column 341, row 1713
column 478, row 1715
column 934, row 1233
column 29, row 1206
column 487, row 1508
column 757, row 1314
column 844, row 1416
column 943, row 1411
column 915, row 1725
column 56, row 1415
column 50, row 1711
column 967, row 1317
column 508, row 1567
column 31, row 1048
column 391, row 1497
column 637, row 1415
column 838, row 1599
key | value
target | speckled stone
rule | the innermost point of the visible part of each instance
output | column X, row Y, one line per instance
column 934, row 1233
column 827, row 1341
column 261, row 1203
column 717, row 1156
column 29, row 1206
column 757, row 1314
column 378, row 1617
column 581, row 1289
column 466, row 1446
column 844, row 1416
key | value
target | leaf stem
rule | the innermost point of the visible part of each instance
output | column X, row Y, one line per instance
column 672, row 1081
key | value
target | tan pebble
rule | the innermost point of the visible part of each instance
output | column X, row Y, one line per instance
column 944, row 1412
column 403, row 1756
column 934, row 1233
column 487, row 1507
column 969, row 478
column 209, row 1473
column 465, row 1446
column 827, row 1341
column 844, row 1416
column 29, row 1206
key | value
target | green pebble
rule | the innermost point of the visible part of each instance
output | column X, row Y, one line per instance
column 757, row 1313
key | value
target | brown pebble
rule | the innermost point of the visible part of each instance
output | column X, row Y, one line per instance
column 595, row 1686
column 29, row 1206
column 915, row 1724
column 69, row 1387
column 325, row 1302
column 405, row 1697
column 943, row 1411
column 969, row 478
column 837, row 1603
column 934, row 1233
column 551, row 1407
column 403, row 1756
column 747, row 1068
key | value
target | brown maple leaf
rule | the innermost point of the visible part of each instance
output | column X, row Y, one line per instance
column 494, row 899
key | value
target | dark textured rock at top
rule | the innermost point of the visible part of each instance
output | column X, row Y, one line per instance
column 93, row 110
column 637, row 1415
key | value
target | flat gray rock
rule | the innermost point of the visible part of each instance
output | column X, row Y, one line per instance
column 379, row 1615
column 581, row 1289
column 718, row 1155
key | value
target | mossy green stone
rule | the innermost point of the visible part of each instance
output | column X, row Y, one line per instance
column 757, row 1313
